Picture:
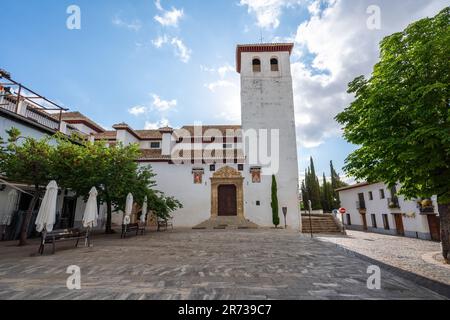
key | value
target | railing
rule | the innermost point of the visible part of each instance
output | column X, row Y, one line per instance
column 70, row 131
column 42, row 118
column 7, row 103
column 360, row 205
column 393, row 203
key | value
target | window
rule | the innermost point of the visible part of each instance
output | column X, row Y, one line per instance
column 274, row 64
column 258, row 203
column 212, row 168
column 240, row 167
column 370, row 195
column 155, row 145
column 386, row 222
column 382, row 196
column 227, row 145
column 349, row 220
column 374, row 221
column 256, row 65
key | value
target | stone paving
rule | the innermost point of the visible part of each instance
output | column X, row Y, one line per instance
column 187, row 264
column 412, row 255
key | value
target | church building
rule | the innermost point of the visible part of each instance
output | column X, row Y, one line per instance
column 222, row 174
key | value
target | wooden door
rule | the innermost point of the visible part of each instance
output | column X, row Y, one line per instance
column 227, row 200
column 68, row 213
column 364, row 220
column 435, row 228
column 399, row 224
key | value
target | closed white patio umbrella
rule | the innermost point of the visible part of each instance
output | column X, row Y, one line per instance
column 128, row 209
column 144, row 210
column 47, row 212
column 90, row 216
column 10, row 206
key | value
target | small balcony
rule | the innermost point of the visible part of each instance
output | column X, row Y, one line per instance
column 393, row 203
column 426, row 206
column 361, row 205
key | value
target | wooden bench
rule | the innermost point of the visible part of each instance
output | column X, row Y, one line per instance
column 132, row 227
column 164, row 224
column 60, row 236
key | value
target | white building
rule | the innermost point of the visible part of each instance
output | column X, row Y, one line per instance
column 233, row 184
column 222, row 174
column 36, row 117
column 376, row 208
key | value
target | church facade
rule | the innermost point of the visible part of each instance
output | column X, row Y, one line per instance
column 223, row 174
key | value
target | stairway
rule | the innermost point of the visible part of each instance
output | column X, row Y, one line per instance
column 320, row 223
column 220, row 223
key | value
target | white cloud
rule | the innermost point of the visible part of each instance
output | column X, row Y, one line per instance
column 225, row 90
column 224, row 70
column 160, row 41
column 168, row 18
column 181, row 50
column 134, row 25
column 219, row 84
column 157, row 125
column 268, row 12
column 342, row 48
column 138, row 110
column 163, row 105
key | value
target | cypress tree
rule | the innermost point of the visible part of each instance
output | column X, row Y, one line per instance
column 274, row 203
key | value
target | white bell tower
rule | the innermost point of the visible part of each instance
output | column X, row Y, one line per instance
column 267, row 103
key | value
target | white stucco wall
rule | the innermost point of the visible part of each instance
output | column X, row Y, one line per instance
column 178, row 181
column 25, row 130
column 412, row 226
column 267, row 103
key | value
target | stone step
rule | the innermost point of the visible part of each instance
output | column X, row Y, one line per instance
column 221, row 223
column 319, row 224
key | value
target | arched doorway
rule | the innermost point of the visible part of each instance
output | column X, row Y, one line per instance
column 227, row 193
column 227, row 200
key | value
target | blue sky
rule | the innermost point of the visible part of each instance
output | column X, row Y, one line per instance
column 149, row 63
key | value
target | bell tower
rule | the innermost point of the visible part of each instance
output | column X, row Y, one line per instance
column 267, row 106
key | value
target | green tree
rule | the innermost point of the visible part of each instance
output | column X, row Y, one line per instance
column 113, row 170
column 27, row 160
column 274, row 203
column 336, row 183
column 313, row 187
column 400, row 116
column 305, row 195
column 326, row 195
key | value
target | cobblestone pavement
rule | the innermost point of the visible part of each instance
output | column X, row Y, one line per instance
column 408, row 254
column 186, row 264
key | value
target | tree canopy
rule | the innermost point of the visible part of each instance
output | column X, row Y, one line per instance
column 400, row 116
column 79, row 165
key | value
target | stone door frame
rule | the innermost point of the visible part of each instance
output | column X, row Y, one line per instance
column 227, row 176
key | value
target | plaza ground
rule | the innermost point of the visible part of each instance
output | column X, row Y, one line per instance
column 219, row 264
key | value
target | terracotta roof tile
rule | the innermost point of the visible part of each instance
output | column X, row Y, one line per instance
column 78, row 117
column 149, row 134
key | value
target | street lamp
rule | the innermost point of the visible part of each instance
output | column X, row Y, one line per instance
column 285, row 209
column 310, row 219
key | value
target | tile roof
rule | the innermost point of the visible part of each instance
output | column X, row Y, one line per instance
column 78, row 117
column 261, row 47
column 149, row 134
column 107, row 135
column 222, row 128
